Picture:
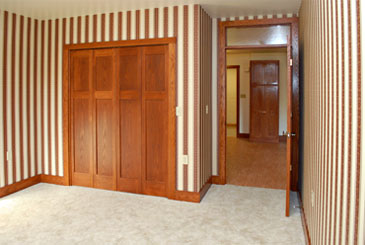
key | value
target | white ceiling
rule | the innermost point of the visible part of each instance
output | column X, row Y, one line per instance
column 50, row 9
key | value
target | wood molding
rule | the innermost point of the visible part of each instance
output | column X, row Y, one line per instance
column 193, row 196
column 222, row 47
column 304, row 220
column 49, row 179
column 171, row 45
column 10, row 189
column 217, row 180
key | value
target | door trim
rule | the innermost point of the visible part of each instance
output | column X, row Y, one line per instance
column 171, row 43
column 222, row 47
column 237, row 68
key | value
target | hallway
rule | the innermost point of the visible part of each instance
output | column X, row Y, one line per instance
column 256, row 164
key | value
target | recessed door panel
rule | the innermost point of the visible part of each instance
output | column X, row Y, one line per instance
column 104, row 137
column 104, row 72
column 104, row 114
column 82, row 136
column 154, row 120
column 156, row 140
column 82, row 160
column 130, row 127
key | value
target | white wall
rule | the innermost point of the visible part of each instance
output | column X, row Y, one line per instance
column 243, row 60
column 231, row 96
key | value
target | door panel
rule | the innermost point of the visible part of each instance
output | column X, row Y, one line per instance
column 130, row 137
column 82, row 136
column 82, row 160
column 104, row 119
column 154, row 120
column 156, row 140
column 104, row 138
column 264, row 101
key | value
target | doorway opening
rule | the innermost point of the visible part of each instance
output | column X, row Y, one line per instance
column 259, row 34
column 256, row 117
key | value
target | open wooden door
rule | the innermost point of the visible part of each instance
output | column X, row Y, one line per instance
column 289, row 126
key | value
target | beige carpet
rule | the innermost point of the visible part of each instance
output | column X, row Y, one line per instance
column 50, row 214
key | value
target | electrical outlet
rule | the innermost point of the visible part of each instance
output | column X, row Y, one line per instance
column 312, row 198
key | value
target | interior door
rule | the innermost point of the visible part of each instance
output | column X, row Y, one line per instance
column 81, row 86
column 154, row 120
column 289, row 127
column 130, row 126
column 104, row 115
column 264, row 100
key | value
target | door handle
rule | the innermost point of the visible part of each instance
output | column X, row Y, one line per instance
column 290, row 134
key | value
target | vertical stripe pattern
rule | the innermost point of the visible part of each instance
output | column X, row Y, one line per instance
column 333, row 171
column 31, row 58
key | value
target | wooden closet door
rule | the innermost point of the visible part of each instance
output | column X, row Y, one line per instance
column 154, row 120
column 104, row 114
column 81, row 86
column 129, row 132
column 264, row 98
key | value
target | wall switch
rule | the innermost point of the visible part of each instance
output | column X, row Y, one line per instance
column 312, row 198
column 185, row 159
column 178, row 111
column 206, row 109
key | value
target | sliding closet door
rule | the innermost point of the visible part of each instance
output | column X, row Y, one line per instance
column 129, row 136
column 82, row 160
column 154, row 120
column 104, row 119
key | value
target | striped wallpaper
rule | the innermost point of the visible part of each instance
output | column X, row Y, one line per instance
column 333, row 181
column 205, row 98
column 31, row 78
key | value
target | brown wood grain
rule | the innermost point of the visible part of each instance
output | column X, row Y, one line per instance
column 264, row 101
column 10, row 189
column 156, row 90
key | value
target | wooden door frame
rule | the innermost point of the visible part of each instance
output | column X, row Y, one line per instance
column 238, row 87
column 278, row 99
column 222, row 47
column 171, row 43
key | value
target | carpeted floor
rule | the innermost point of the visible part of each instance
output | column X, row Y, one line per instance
column 50, row 214
column 256, row 164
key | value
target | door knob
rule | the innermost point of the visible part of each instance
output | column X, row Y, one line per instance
column 290, row 134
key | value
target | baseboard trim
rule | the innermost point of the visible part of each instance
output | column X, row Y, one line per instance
column 193, row 196
column 18, row 186
column 21, row 185
column 217, row 180
column 50, row 179
column 304, row 221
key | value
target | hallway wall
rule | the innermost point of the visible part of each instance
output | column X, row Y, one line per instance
column 333, row 184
